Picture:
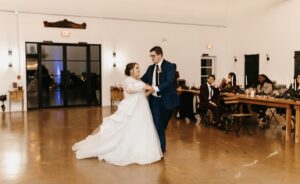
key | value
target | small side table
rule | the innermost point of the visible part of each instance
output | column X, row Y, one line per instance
column 116, row 94
column 16, row 95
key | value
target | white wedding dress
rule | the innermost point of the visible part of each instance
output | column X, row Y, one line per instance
column 127, row 136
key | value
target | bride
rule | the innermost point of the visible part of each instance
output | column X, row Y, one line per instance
column 129, row 135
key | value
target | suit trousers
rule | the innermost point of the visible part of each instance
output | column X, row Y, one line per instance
column 161, row 117
column 216, row 110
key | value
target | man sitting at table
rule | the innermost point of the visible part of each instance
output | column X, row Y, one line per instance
column 209, row 99
column 264, row 87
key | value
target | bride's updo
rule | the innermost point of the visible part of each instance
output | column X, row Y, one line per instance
column 129, row 67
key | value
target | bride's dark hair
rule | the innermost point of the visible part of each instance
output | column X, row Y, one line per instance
column 129, row 66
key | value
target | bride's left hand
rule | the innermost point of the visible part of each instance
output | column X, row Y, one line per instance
column 148, row 87
column 149, row 90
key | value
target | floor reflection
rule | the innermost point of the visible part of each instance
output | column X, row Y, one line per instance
column 12, row 163
column 35, row 147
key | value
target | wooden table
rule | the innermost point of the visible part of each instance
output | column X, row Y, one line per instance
column 16, row 95
column 195, row 92
column 297, row 122
column 187, row 105
column 116, row 94
column 272, row 102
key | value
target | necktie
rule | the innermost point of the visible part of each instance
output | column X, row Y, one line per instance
column 156, row 75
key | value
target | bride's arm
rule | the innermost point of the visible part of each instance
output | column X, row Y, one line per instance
column 149, row 90
column 133, row 86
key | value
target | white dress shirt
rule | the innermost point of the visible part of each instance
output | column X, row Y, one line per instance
column 210, row 91
column 154, row 78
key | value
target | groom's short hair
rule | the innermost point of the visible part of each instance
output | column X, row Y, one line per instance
column 157, row 49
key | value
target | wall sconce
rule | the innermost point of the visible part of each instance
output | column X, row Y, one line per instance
column 268, row 58
column 235, row 59
column 114, row 59
column 10, row 58
column 209, row 46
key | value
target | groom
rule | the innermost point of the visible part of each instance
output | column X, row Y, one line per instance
column 164, row 98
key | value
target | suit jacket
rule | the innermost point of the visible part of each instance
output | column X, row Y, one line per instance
column 167, row 89
column 204, row 94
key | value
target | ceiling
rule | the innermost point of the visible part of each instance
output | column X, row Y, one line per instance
column 197, row 12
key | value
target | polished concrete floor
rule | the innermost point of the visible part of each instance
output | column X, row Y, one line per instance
column 35, row 148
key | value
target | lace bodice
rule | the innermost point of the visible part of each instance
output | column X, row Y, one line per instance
column 132, row 86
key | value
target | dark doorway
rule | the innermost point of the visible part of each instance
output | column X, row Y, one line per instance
column 297, row 63
column 251, row 70
column 63, row 75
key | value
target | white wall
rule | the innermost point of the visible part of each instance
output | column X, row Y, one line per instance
column 8, row 41
column 182, row 44
column 268, row 27
column 257, row 27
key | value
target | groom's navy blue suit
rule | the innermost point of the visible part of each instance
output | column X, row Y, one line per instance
column 162, row 107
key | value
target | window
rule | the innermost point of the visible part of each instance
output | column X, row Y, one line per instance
column 207, row 67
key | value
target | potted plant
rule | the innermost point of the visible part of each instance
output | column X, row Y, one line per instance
column 3, row 98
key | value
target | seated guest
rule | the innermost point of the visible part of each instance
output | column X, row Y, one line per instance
column 293, row 92
column 209, row 99
column 264, row 87
column 229, row 85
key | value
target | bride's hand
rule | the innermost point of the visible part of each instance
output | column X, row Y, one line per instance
column 149, row 90
column 148, row 87
column 147, row 93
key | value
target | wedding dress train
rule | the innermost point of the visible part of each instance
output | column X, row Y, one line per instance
column 127, row 136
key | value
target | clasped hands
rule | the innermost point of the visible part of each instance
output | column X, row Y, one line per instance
column 148, row 90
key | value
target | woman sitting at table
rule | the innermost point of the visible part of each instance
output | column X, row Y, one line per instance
column 229, row 85
column 264, row 87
